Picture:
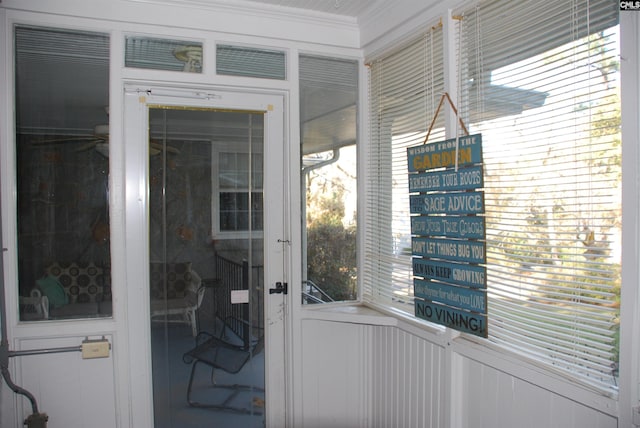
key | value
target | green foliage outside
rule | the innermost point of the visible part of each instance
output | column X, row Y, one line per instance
column 331, row 246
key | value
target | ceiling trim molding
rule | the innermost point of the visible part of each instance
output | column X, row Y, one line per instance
column 399, row 20
column 262, row 10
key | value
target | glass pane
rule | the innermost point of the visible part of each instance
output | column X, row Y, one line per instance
column 250, row 62
column 205, row 292
column 62, row 87
column 161, row 54
column 328, row 110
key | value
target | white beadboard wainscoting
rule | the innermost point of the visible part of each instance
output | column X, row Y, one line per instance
column 357, row 373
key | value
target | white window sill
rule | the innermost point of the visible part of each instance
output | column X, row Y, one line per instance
column 354, row 313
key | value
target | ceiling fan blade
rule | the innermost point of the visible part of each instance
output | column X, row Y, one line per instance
column 160, row 147
column 89, row 145
column 54, row 141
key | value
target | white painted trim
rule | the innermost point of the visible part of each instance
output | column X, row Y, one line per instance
column 352, row 313
column 117, row 209
column 293, row 350
column 260, row 9
column 195, row 15
column 138, row 367
column 629, row 392
column 392, row 28
column 292, row 171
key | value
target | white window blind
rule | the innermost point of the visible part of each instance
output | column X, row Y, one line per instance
column 251, row 62
column 540, row 81
column 541, row 84
column 405, row 89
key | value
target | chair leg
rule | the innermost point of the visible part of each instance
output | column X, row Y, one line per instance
column 193, row 371
column 191, row 319
column 235, row 390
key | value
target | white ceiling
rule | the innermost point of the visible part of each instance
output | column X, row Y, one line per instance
column 348, row 8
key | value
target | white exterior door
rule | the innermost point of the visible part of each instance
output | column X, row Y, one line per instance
column 227, row 204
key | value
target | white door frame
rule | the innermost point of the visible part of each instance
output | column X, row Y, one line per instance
column 137, row 99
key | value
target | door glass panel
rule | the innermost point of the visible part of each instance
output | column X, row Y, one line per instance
column 206, row 267
column 62, row 164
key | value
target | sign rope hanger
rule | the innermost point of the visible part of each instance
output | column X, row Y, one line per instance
column 453, row 107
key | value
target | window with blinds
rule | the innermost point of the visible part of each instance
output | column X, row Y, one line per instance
column 405, row 89
column 251, row 62
column 540, row 82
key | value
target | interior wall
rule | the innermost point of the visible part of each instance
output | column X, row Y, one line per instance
column 363, row 375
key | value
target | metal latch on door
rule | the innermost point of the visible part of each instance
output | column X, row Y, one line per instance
column 281, row 288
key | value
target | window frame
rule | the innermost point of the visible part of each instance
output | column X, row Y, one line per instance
column 217, row 190
column 453, row 89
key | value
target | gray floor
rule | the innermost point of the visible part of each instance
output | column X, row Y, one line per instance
column 171, row 377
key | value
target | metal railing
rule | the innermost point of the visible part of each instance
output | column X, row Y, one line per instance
column 233, row 276
column 312, row 294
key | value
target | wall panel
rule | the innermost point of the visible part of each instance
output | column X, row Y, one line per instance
column 359, row 375
column 335, row 374
column 491, row 398
column 406, row 380
column 72, row 391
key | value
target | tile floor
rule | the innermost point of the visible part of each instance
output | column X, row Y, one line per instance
column 171, row 377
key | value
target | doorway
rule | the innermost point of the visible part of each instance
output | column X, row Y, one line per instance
column 213, row 207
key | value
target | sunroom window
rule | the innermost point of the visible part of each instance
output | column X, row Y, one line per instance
column 328, row 112
column 540, row 82
column 62, row 165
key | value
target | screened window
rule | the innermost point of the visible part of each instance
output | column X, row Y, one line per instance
column 405, row 89
column 328, row 111
column 162, row 54
column 62, row 165
column 540, row 82
column 251, row 62
column 544, row 93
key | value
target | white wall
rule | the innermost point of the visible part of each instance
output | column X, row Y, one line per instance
column 398, row 375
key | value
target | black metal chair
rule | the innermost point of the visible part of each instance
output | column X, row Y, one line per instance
column 223, row 353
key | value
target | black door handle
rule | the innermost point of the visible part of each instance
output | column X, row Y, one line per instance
column 281, row 288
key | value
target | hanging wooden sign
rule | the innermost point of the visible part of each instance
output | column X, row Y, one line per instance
column 466, row 321
column 457, row 250
column 471, row 299
column 467, row 150
column 448, row 233
column 447, row 203
column 447, row 180
column 468, row 227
